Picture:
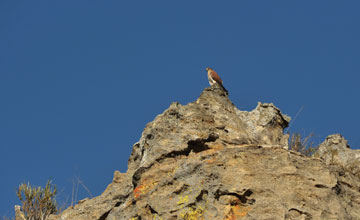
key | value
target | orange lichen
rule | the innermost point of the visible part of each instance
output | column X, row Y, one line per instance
column 241, row 211
column 138, row 191
column 210, row 161
column 143, row 188
column 237, row 212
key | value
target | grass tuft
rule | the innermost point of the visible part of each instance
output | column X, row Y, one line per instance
column 304, row 145
column 37, row 202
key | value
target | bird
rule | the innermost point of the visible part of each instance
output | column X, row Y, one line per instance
column 214, row 78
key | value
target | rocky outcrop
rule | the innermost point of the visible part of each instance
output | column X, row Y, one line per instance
column 99, row 207
column 336, row 151
column 209, row 160
column 210, row 122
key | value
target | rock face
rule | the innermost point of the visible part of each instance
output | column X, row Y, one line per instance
column 335, row 151
column 209, row 160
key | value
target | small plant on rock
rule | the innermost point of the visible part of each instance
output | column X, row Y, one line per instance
column 37, row 202
column 302, row 145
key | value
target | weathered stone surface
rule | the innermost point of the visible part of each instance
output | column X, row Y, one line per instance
column 209, row 160
column 335, row 150
column 231, row 183
column 19, row 215
column 212, row 121
column 99, row 207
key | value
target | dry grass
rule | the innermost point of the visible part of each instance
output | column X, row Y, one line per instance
column 37, row 202
column 304, row 145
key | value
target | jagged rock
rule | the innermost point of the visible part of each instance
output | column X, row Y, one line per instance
column 19, row 215
column 211, row 122
column 99, row 207
column 209, row 160
column 249, row 182
column 335, row 150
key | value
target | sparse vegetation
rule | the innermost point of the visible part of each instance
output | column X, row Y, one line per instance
column 76, row 182
column 304, row 145
column 37, row 202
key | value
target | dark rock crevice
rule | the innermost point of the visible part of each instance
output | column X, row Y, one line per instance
column 152, row 210
column 321, row 186
column 243, row 198
column 337, row 188
column 195, row 146
column 137, row 175
column 201, row 195
column 295, row 213
column 105, row 215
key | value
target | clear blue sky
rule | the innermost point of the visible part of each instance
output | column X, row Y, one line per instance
column 79, row 80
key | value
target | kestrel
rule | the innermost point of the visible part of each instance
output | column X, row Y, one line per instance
column 214, row 78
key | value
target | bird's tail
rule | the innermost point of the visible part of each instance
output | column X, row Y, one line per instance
column 225, row 90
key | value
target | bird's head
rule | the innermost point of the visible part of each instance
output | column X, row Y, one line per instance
column 208, row 68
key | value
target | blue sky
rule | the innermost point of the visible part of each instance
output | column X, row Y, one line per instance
column 79, row 80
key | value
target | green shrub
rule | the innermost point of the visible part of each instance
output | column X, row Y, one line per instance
column 302, row 145
column 37, row 202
